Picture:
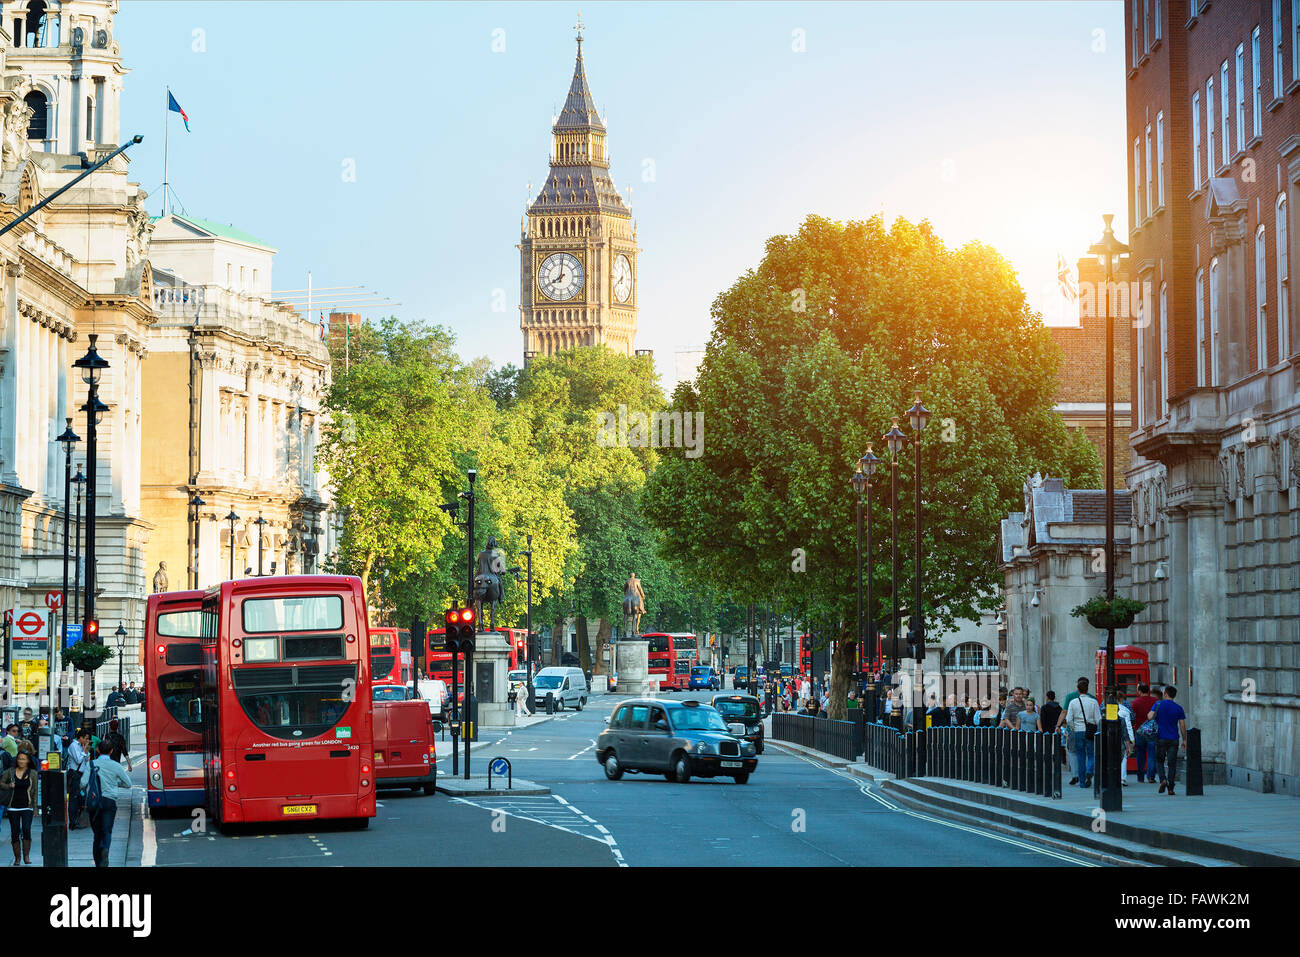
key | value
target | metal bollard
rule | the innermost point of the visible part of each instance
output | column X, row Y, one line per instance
column 54, row 818
column 1194, row 784
column 550, row 702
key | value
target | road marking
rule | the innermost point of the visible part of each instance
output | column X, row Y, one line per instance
column 867, row 790
column 149, row 852
column 582, row 752
column 540, row 810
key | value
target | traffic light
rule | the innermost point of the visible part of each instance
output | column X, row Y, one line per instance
column 460, row 630
column 92, row 630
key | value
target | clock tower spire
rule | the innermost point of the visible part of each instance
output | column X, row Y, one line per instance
column 578, row 252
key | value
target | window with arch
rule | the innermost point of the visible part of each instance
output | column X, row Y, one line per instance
column 1214, row 321
column 1261, row 302
column 970, row 656
column 38, row 128
column 1164, row 350
column 1200, row 328
column 1283, row 282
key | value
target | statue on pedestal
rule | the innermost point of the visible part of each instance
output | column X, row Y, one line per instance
column 160, row 578
column 487, row 580
column 634, row 602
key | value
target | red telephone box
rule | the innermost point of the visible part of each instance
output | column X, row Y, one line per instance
column 1132, row 668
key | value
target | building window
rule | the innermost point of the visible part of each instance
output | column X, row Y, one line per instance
column 1225, row 105
column 227, row 275
column 1160, row 159
column 1146, row 26
column 1283, row 282
column 1295, row 40
column 1261, row 302
column 90, row 119
column 1214, row 322
column 970, row 656
column 1147, row 146
column 1164, row 351
column 1209, row 128
column 1277, row 49
column 1257, row 106
column 1241, row 96
column 1137, row 182
column 36, row 129
column 1156, row 21
column 1137, row 21
column 1196, row 140
column 1200, row 329
column 1141, row 376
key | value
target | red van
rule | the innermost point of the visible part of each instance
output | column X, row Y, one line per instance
column 404, row 743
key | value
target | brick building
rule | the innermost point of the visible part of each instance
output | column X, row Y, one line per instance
column 1213, row 117
column 1081, row 396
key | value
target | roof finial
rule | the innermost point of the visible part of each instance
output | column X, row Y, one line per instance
column 578, row 26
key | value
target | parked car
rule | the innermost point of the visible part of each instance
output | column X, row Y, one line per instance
column 567, row 685
column 743, row 715
column 434, row 693
column 517, row 679
column 677, row 739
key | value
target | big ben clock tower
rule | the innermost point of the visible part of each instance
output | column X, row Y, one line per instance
column 577, row 252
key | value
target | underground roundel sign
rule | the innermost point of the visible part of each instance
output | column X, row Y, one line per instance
column 30, row 624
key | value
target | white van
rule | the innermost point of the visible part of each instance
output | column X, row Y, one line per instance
column 568, row 685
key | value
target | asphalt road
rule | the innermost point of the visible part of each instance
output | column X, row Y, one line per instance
column 792, row 812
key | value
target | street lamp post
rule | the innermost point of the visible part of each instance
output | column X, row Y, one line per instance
column 261, row 524
column 196, row 503
column 869, row 463
column 121, row 651
column 918, row 417
column 68, row 439
column 92, row 366
column 894, row 440
column 78, row 480
column 531, row 643
column 1109, row 250
column 232, row 518
column 859, row 480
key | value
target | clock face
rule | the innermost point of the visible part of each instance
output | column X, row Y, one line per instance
column 622, row 278
column 560, row 276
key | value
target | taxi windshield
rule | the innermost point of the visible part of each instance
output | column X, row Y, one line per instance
column 737, row 709
column 698, row 719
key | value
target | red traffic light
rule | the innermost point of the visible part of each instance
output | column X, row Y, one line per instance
column 92, row 628
column 453, row 616
column 467, row 615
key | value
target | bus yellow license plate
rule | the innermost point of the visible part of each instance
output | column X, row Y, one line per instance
column 299, row 809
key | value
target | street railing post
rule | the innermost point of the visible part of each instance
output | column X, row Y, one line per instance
column 1195, row 784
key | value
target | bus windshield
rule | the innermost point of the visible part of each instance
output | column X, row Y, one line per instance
column 657, row 643
column 283, row 709
column 381, row 666
column 293, row 613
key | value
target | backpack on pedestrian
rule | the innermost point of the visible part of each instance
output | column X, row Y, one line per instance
column 94, row 791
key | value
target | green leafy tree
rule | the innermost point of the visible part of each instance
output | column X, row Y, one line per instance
column 811, row 355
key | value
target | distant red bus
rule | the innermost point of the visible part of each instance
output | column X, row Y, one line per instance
column 390, row 657
column 518, row 646
column 670, row 656
column 286, row 700
column 805, row 654
column 174, row 732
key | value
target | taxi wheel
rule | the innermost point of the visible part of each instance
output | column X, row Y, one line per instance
column 742, row 777
column 682, row 768
column 613, row 770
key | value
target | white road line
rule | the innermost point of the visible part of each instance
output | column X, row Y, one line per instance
column 583, row 751
column 149, row 851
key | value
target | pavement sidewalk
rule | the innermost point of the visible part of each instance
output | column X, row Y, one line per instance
column 1225, row 826
column 128, row 829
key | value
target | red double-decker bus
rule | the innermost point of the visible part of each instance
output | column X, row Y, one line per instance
column 805, row 654
column 391, row 662
column 174, row 732
column 670, row 656
column 285, row 699
column 518, row 646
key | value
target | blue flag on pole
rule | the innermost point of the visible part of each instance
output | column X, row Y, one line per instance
column 175, row 107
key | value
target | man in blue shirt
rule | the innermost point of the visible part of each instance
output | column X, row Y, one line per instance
column 1171, row 725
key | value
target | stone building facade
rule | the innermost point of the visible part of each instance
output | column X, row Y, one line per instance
column 1213, row 106
column 237, row 384
column 74, row 269
column 1051, row 559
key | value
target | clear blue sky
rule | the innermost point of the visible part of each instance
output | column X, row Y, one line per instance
column 997, row 121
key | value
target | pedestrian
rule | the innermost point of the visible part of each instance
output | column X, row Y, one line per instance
column 1028, row 719
column 9, row 744
column 1011, row 714
column 117, row 744
column 112, row 780
column 805, row 690
column 115, row 698
column 523, row 698
column 1049, row 715
column 1082, row 716
column 27, row 726
column 1145, row 749
column 18, row 795
column 1171, row 729
column 78, row 768
column 1126, row 740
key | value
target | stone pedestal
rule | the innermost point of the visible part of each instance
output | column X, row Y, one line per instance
column 491, row 680
column 633, row 667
